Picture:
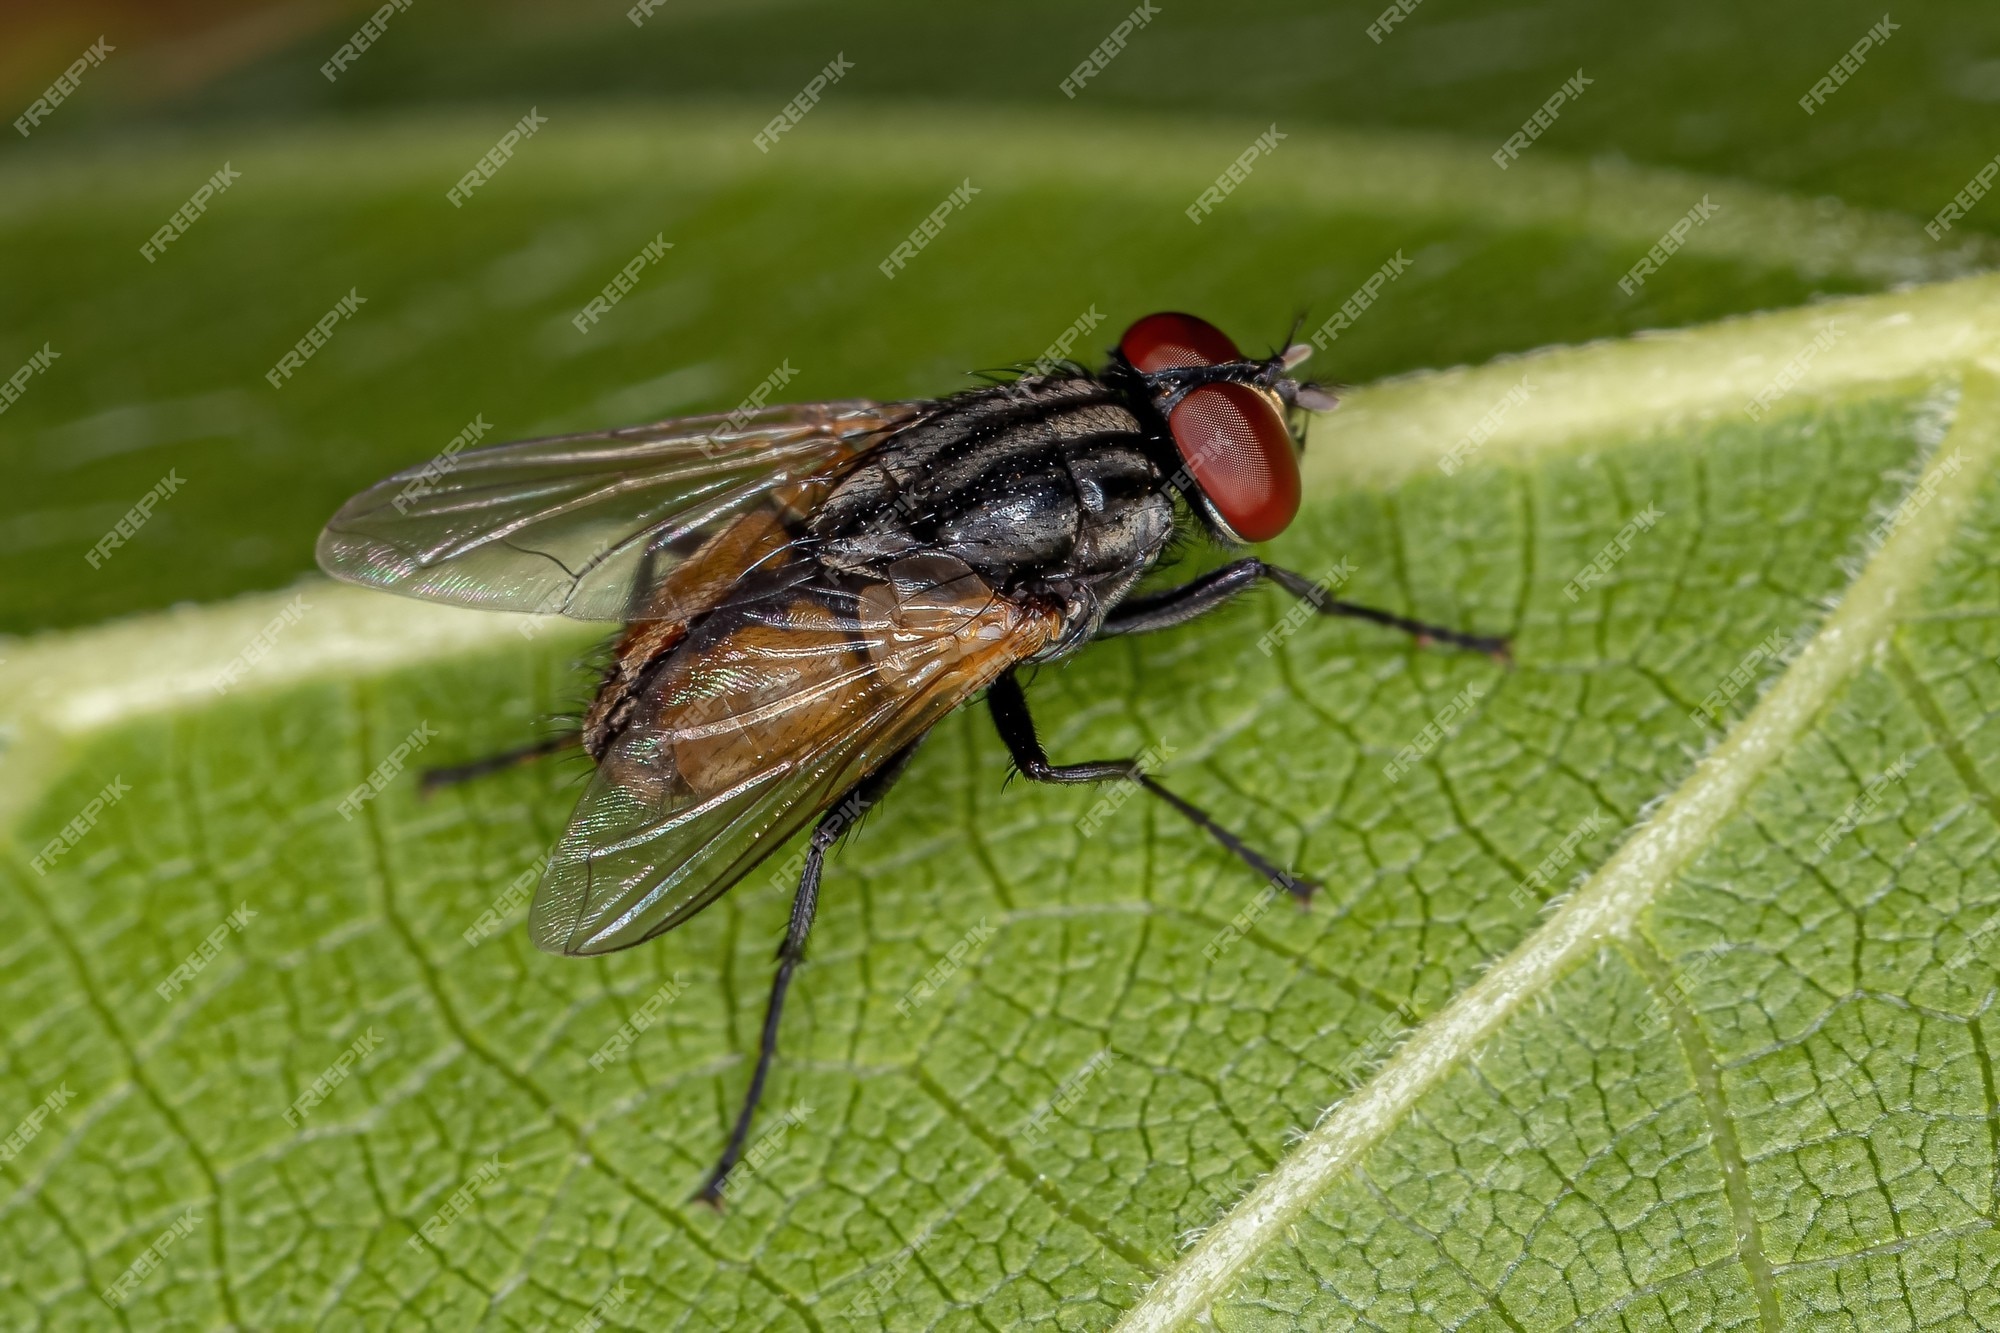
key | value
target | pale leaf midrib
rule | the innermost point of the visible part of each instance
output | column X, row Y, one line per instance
column 1610, row 901
column 1405, row 426
column 65, row 686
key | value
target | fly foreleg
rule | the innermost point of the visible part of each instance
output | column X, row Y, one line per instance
column 1177, row 606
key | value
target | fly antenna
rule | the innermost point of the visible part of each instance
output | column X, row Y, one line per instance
column 1294, row 351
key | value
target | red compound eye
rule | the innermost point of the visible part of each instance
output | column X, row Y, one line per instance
column 1169, row 341
column 1231, row 436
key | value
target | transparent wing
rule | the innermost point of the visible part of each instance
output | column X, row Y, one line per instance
column 585, row 525
column 759, row 720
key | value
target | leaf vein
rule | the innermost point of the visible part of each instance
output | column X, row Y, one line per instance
column 1613, row 898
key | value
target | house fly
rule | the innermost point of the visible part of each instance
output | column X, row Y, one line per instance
column 807, row 590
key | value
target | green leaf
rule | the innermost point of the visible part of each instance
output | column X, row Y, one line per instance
column 1735, row 1078
column 468, row 309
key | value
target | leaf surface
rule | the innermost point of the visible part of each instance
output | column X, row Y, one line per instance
column 1734, row 1079
column 467, row 313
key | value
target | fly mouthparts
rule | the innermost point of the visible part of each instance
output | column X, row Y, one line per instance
column 1315, row 398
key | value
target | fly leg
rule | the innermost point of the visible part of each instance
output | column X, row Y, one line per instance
column 434, row 778
column 1177, row 606
column 1017, row 730
column 805, row 903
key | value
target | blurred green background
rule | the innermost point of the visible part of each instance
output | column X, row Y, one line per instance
column 775, row 254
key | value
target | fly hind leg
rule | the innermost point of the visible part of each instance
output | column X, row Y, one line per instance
column 1017, row 729
column 452, row 775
